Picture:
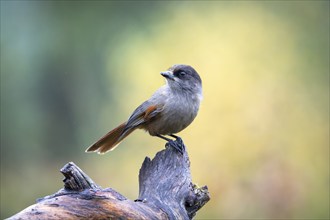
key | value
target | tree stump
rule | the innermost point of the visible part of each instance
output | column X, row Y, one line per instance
column 165, row 192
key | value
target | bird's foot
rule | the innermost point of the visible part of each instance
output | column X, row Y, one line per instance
column 177, row 144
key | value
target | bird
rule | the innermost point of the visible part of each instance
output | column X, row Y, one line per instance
column 168, row 111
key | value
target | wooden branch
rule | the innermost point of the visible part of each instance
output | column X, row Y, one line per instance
column 166, row 192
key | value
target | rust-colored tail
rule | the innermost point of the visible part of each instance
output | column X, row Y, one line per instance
column 110, row 141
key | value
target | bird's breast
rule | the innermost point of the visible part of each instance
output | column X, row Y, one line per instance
column 178, row 112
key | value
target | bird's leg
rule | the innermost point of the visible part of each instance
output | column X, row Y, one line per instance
column 179, row 141
column 177, row 144
column 164, row 138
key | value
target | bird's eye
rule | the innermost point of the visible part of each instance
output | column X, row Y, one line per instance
column 182, row 73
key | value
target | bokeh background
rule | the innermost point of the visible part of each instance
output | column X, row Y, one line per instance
column 72, row 70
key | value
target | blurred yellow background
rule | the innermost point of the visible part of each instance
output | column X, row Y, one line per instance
column 72, row 70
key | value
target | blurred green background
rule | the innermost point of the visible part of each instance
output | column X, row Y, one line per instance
column 72, row 70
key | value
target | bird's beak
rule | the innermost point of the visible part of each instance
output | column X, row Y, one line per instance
column 168, row 75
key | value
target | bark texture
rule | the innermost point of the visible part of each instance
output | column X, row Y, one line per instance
column 166, row 192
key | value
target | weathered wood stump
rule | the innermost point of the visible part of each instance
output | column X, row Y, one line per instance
column 166, row 192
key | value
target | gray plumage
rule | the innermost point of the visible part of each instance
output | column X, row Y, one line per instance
column 168, row 111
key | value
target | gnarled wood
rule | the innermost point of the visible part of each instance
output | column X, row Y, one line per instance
column 166, row 192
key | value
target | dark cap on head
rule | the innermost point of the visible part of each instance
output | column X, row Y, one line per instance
column 181, row 70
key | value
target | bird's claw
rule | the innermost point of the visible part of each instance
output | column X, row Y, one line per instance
column 177, row 144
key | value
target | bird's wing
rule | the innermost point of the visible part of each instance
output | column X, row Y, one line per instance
column 142, row 114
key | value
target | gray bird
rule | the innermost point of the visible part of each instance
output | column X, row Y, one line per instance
column 168, row 111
